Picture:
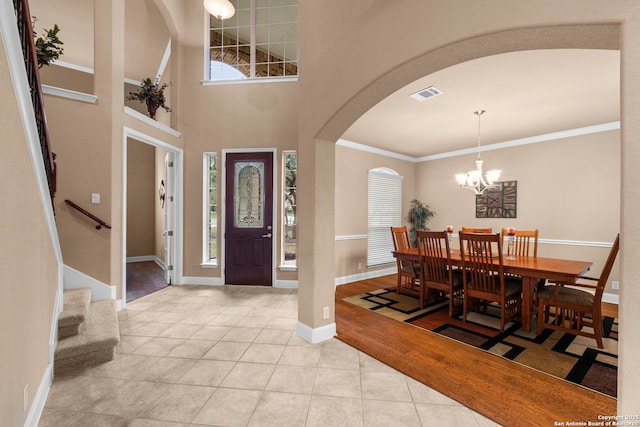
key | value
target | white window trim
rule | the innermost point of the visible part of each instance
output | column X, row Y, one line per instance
column 249, row 80
column 207, row 262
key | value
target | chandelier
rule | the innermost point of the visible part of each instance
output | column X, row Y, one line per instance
column 475, row 180
column 221, row 9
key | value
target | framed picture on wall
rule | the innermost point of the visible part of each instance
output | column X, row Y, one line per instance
column 500, row 201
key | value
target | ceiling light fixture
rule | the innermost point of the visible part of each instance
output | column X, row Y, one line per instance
column 221, row 9
column 475, row 180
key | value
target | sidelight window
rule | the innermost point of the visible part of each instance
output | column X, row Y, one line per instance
column 210, row 214
column 289, row 208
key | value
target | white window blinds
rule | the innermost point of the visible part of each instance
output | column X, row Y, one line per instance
column 385, row 206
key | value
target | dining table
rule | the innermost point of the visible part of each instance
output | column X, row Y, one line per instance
column 531, row 269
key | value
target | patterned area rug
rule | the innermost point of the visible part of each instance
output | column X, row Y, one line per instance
column 573, row 358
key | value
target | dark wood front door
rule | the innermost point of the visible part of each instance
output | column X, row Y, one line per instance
column 249, row 219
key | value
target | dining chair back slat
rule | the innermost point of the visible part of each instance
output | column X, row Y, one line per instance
column 408, row 271
column 436, row 268
column 525, row 242
column 476, row 231
column 484, row 279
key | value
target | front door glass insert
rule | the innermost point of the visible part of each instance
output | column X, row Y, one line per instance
column 249, row 194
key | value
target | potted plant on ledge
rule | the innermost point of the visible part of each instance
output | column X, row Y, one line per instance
column 48, row 46
column 152, row 94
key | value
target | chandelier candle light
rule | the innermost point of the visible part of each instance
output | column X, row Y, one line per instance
column 511, row 240
column 475, row 180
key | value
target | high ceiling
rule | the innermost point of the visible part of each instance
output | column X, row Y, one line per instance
column 525, row 94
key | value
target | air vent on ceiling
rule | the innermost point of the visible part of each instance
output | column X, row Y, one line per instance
column 427, row 93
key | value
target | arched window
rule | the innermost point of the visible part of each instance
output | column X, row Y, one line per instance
column 259, row 41
column 385, row 211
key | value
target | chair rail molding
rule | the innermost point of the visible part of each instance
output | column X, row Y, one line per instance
column 352, row 237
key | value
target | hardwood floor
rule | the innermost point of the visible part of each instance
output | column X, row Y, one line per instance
column 504, row 391
column 144, row 278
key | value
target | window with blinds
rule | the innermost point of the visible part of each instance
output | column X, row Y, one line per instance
column 385, row 211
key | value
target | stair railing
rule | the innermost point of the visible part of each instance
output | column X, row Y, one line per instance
column 100, row 222
column 23, row 18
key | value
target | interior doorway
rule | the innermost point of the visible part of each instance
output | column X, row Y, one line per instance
column 151, row 212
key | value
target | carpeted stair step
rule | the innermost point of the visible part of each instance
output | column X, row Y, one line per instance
column 96, row 344
column 74, row 312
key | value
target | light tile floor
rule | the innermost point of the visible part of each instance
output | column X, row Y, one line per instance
column 229, row 356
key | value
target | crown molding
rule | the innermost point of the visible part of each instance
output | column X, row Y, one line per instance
column 367, row 148
column 604, row 127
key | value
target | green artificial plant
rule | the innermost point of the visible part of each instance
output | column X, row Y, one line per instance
column 418, row 216
column 48, row 46
column 152, row 94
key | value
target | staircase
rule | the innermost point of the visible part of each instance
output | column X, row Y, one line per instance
column 88, row 332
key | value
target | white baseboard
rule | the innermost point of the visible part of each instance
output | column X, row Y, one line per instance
column 53, row 334
column 611, row 298
column 74, row 279
column 217, row 281
column 366, row 275
column 40, row 398
column 147, row 258
column 206, row 281
column 315, row 335
column 286, row 284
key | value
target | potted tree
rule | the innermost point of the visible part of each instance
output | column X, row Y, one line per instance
column 418, row 215
column 152, row 94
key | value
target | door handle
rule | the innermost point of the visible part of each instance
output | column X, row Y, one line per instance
column 268, row 235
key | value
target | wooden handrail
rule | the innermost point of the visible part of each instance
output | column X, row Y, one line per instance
column 100, row 222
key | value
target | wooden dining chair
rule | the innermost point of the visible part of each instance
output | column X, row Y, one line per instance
column 436, row 268
column 484, row 280
column 573, row 308
column 476, row 231
column 408, row 271
column 525, row 242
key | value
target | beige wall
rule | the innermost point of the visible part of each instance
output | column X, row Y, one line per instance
column 75, row 19
column 28, row 263
column 79, row 139
column 147, row 37
column 351, row 186
column 66, row 78
column 331, row 99
column 141, row 198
